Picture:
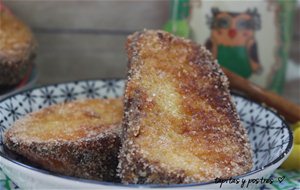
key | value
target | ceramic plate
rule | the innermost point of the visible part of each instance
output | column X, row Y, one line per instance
column 270, row 137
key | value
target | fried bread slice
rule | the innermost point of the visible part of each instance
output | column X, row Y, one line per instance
column 17, row 48
column 79, row 138
column 179, row 125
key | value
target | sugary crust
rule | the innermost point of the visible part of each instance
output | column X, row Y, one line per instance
column 94, row 158
column 17, row 48
column 204, row 118
column 90, row 155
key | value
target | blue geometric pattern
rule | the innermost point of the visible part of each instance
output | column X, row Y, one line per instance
column 268, row 134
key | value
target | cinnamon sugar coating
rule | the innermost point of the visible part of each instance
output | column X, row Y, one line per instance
column 80, row 138
column 17, row 48
column 180, row 125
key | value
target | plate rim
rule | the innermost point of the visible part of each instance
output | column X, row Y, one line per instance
column 77, row 179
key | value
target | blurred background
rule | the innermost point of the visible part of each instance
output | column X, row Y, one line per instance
column 85, row 39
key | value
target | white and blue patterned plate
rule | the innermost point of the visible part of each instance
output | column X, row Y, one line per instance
column 270, row 137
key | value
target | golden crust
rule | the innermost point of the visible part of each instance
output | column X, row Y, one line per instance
column 16, row 39
column 17, row 48
column 180, row 125
column 80, row 138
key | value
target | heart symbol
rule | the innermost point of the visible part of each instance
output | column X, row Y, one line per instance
column 280, row 179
